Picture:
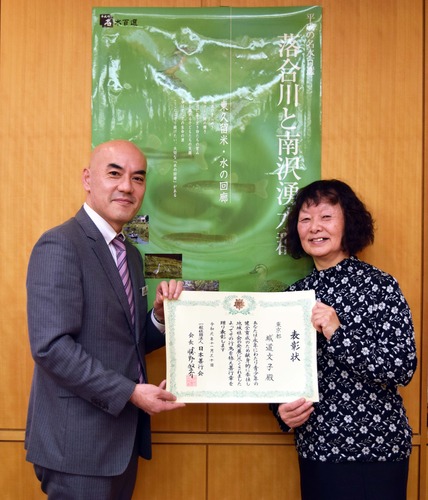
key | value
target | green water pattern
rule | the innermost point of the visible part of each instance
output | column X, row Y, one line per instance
column 156, row 62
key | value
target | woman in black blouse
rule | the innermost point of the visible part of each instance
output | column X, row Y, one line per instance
column 356, row 442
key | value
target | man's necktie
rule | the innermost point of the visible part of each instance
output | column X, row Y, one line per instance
column 122, row 266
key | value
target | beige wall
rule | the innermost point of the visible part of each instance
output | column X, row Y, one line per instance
column 372, row 137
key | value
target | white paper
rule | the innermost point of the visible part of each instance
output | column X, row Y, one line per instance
column 241, row 347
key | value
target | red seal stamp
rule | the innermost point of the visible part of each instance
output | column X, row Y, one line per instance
column 191, row 381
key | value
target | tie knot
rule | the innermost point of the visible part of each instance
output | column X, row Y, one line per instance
column 118, row 243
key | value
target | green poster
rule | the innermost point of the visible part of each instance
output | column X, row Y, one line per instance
column 226, row 104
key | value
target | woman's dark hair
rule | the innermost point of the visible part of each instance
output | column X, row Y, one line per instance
column 359, row 225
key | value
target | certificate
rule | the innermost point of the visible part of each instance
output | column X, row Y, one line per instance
column 239, row 347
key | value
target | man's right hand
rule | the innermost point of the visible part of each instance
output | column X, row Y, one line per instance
column 153, row 399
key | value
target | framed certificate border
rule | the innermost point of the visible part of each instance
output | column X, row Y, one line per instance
column 241, row 347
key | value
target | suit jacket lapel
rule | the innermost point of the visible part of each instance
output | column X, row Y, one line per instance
column 105, row 258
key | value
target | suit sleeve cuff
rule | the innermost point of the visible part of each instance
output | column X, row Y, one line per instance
column 160, row 326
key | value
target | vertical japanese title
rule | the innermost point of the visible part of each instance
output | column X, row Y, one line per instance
column 290, row 159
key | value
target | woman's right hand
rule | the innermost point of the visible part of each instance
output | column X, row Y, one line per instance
column 296, row 413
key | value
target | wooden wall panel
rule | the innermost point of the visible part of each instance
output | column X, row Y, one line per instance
column 252, row 472
column 413, row 481
column 372, row 133
column 45, row 140
column 423, row 353
column 176, row 472
column 17, row 479
column 372, row 137
column 191, row 472
column 241, row 418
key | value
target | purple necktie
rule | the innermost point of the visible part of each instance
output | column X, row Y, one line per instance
column 122, row 266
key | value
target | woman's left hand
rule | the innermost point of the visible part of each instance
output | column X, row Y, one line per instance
column 324, row 319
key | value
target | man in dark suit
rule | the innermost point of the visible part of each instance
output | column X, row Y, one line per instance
column 90, row 403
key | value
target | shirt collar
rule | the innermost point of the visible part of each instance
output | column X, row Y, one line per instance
column 103, row 226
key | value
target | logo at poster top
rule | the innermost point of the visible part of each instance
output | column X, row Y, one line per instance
column 108, row 21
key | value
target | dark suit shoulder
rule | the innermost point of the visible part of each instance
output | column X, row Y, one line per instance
column 75, row 227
